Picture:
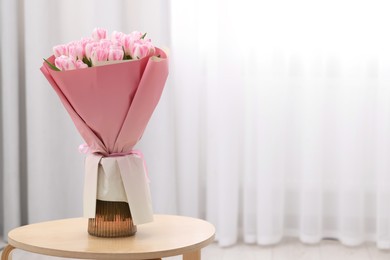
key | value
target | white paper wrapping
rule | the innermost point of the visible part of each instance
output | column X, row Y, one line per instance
column 119, row 178
column 110, row 186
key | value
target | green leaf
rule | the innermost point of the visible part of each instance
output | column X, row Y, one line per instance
column 87, row 61
column 124, row 53
column 53, row 67
column 126, row 57
column 143, row 36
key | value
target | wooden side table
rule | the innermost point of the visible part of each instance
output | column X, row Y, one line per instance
column 166, row 236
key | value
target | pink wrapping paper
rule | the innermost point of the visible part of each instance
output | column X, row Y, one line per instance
column 111, row 105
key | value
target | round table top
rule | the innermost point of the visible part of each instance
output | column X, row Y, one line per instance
column 165, row 236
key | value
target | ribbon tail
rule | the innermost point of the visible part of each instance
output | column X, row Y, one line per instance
column 90, row 185
column 137, row 188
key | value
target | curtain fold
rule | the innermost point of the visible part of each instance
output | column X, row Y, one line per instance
column 274, row 121
column 13, row 184
column 294, row 116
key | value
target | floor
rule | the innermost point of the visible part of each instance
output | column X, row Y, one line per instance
column 290, row 249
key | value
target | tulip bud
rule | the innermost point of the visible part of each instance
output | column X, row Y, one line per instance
column 142, row 48
column 128, row 43
column 117, row 37
column 76, row 50
column 115, row 54
column 80, row 65
column 85, row 41
column 65, row 63
column 139, row 51
column 99, row 33
column 136, row 35
column 60, row 50
column 151, row 48
column 89, row 47
column 99, row 54
column 105, row 43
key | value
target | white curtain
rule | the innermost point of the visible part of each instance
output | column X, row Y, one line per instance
column 284, row 114
column 274, row 122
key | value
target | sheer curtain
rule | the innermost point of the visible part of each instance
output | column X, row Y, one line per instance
column 274, row 122
column 282, row 109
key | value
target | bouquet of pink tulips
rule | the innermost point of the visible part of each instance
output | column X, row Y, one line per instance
column 110, row 87
column 99, row 49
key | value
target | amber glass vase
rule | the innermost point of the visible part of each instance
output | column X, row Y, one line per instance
column 113, row 219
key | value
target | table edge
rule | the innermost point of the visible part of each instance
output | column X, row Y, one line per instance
column 102, row 256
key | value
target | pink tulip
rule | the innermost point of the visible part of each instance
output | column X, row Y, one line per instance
column 148, row 43
column 85, row 41
column 141, row 49
column 115, row 54
column 80, row 65
column 99, row 54
column 89, row 47
column 65, row 63
column 76, row 50
column 136, row 35
column 60, row 50
column 105, row 43
column 117, row 37
column 129, row 40
column 99, row 33
column 128, row 43
column 116, row 45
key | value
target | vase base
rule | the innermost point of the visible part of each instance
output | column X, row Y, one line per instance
column 113, row 219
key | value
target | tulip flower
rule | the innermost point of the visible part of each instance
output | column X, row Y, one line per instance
column 60, row 50
column 85, row 41
column 80, row 65
column 115, row 54
column 99, row 54
column 76, row 50
column 136, row 35
column 89, row 47
column 105, row 43
column 128, row 42
column 99, row 33
column 141, row 49
column 117, row 37
column 65, row 63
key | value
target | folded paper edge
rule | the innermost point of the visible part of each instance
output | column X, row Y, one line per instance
column 85, row 131
column 142, row 91
column 136, row 188
column 90, row 185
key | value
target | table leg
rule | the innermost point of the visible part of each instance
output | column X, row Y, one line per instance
column 7, row 250
column 194, row 255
